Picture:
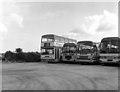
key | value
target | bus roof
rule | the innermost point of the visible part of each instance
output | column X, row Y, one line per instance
column 53, row 35
column 110, row 38
column 48, row 35
column 69, row 44
column 85, row 42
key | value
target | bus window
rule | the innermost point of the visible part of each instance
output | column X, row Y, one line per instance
column 70, row 41
column 47, row 51
column 109, row 47
column 66, row 40
column 74, row 41
column 46, row 44
column 72, row 48
column 47, row 39
column 62, row 40
column 44, row 39
column 56, row 39
column 50, row 40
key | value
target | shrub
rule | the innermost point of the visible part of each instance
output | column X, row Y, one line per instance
column 22, row 57
column 9, row 56
column 32, row 57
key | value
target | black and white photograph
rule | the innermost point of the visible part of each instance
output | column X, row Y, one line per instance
column 59, row 45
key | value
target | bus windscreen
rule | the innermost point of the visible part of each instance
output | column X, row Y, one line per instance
column 47, row 51
column 85, row 49
column 111, row 46
column 69, row 49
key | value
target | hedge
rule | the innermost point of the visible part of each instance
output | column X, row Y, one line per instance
column 21, row 57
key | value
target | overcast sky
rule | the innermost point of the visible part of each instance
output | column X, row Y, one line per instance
column 23, row 23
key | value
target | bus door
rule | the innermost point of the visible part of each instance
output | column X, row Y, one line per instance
column 60, row 52
column 57, row 53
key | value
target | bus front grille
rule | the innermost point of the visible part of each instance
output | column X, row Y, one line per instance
column 68, row 57
column 83, row 57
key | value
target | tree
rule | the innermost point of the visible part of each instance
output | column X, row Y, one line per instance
column 18, row 50
column 32, row 57
column 20, row 56
column 10, row 56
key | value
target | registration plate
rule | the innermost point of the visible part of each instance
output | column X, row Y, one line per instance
column 109, row 59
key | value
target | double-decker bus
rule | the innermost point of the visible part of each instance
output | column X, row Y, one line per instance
column 69, row 52
column 110, row 50
column 51, row 46
column 87, row 52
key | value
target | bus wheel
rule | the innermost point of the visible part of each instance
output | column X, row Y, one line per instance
column 96, row 62
column 104, row 64
column 82, row 63
column 48, row 62
column 118, row 64
column 60, row 60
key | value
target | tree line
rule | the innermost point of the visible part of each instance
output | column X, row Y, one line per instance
column 20, row 56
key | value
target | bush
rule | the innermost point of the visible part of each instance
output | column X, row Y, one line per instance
column 9, row 56
column 22, row 57
column 32, row 57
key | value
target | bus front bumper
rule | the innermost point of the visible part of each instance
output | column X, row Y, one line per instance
column 85, row 60
column 110, row 61
column 69, row 60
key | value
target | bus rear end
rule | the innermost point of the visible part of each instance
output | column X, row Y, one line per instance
column 110, row 50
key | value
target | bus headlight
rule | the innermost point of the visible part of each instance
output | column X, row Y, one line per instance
column 89, row 56
column 103, row 57
column 117, row 57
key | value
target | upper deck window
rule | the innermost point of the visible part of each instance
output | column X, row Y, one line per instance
column 62, row 40
column 44, row 39
column 66, row 40
column 56, row 39
column 47, row 40
column 50, row 39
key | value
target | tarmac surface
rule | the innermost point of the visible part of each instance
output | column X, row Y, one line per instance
column 43, row 76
